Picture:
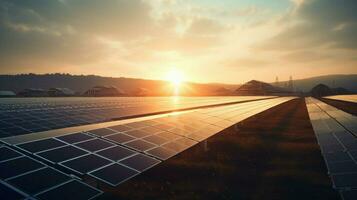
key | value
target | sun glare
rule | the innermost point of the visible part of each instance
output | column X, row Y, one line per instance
column 175, row 77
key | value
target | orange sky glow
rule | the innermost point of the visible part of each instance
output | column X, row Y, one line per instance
column 229, row 41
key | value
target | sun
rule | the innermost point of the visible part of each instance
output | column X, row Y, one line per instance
column 175, row 77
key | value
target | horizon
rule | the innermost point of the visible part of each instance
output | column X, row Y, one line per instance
column 201, row 41
column 165, row 80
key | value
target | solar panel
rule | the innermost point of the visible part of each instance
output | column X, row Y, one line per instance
column 7, row 153
column 93, row 153
column 9, row 193
column 120, row 128
column 349, row 195
column 116, row 153
column 155, row 139
column 138, row 133
column 114, row 174
column 120, row 138
column 345, row 180
column 338, row 156
column 85, row 164
column 140, row 145
column 342, row 167
column 40, row 180
column 102, row 132
column 61, row 154
column 136, row 125
column 25, row 116
column 168, row 136
column 74, row 138
column 140, row 162
column 186, row 142
column 18, row 166
column 337, row 143
column 41, row 145
column 175, row 146
column 71, row 190
column 94, row 145
column 161, row 153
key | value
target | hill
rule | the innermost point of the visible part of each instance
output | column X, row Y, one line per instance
column 81, row 83
column 348, row 82
column 255, row 87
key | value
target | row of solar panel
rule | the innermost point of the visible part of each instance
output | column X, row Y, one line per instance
column 338, row 145
column 74, row 103
column 350, row 98
column 110, row 155
column 22, row 121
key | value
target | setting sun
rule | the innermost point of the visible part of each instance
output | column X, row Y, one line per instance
column 175, row 77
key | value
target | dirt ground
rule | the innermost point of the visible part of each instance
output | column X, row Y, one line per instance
column 348, row 107
column 273, row 155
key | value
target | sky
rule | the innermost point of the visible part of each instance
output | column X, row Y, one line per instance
column 227, row 41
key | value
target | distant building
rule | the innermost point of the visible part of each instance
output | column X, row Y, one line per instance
column 6, row 93
column 33, row 92
column 103, row 91
column 60, row 92
column 321, row 90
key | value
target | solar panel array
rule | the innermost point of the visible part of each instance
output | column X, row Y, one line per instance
column 349, row 98
column 336, row 133
column 29, row 115
column 110, row 155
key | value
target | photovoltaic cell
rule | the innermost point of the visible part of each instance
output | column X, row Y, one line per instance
column 168, row 136
column 102, row 132
column 345, row 180
column 161, row 153
column 342, row 167
column 349, row 195
column 136, row 125
column 338, row 156
column 74, row 138
column 120, row 138
column 40, row 180
column 8, row 193
column 140, row 145
column 138, row 133
column 120, row 128
column 72, row 190
column 41, row 145
column 18, row 166
column 94, row 145
column 151, row 130
column 7, row 153
column 114, row 174
column 62, row 154
column 155, row 139
column 175, row 146
column 86, row 163
column 116, row 153
column 140, row 162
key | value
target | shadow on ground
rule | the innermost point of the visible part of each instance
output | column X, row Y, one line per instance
column 273, row 155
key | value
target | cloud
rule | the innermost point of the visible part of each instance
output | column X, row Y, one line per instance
column 316, row 23
column 245, row 62
column 204, row 26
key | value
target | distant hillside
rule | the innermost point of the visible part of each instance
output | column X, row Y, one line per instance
column 255, row 87
column 348, row 82
column 81, row 83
